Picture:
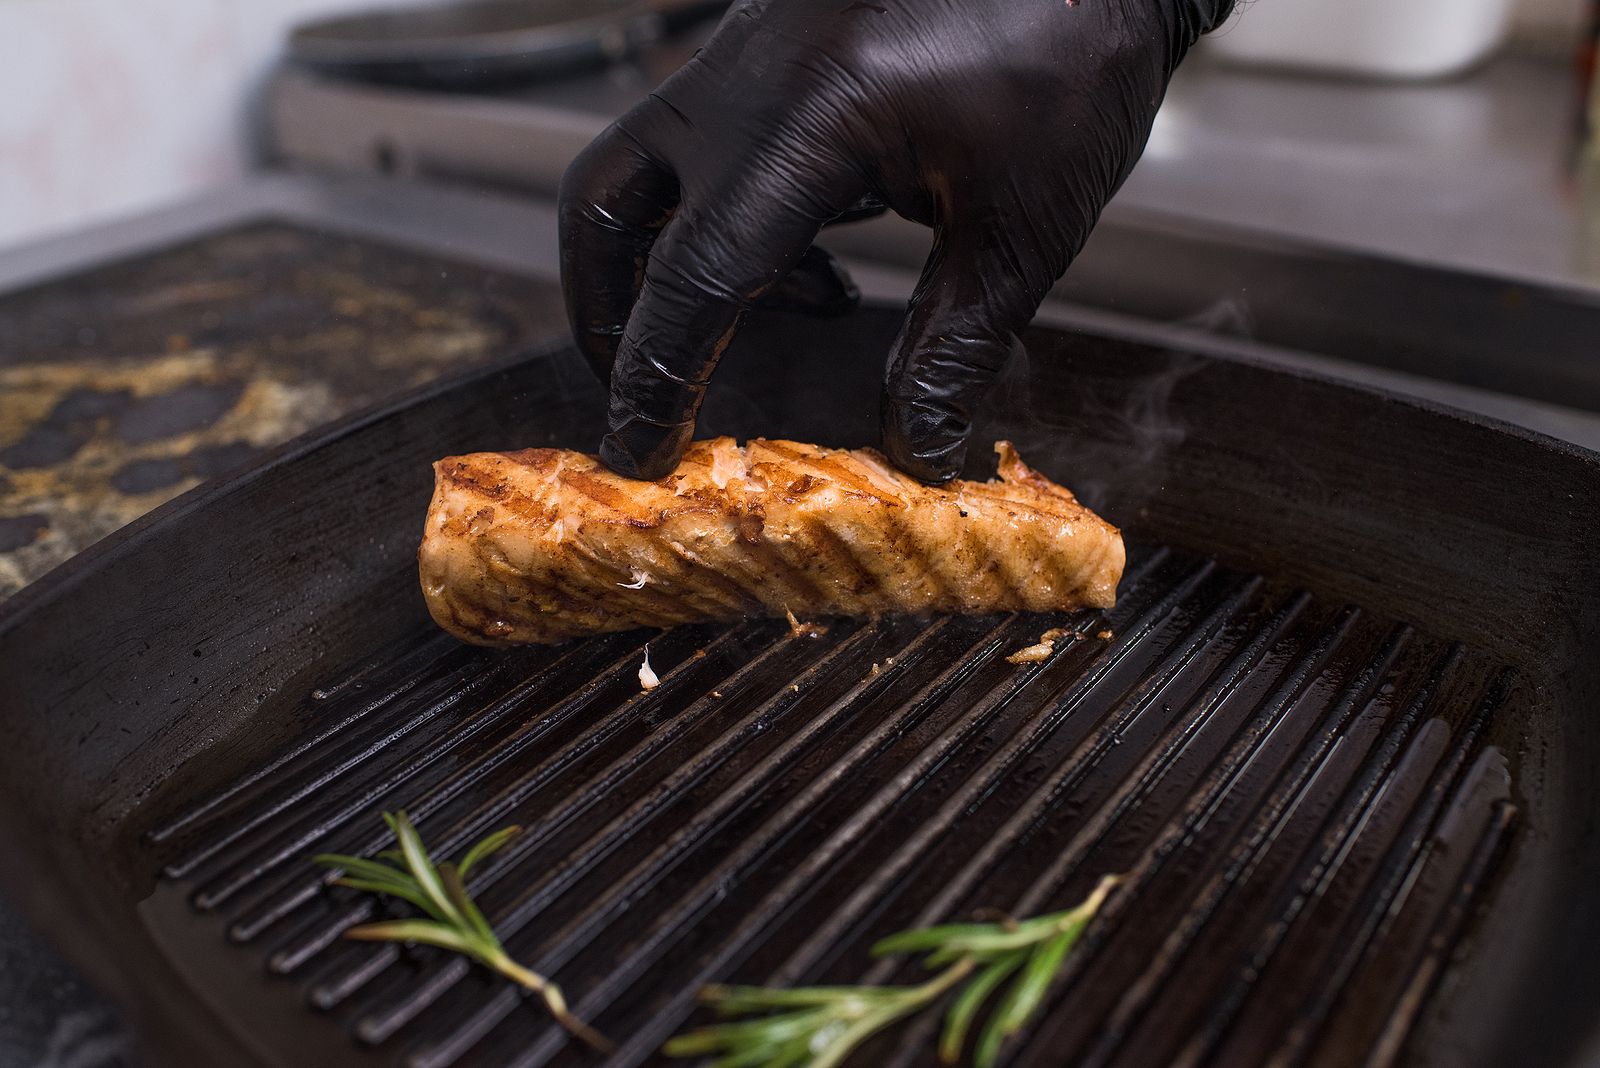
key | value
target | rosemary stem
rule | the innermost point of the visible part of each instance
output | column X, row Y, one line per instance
column 1090, row 904
column 943, row 981
column 553, row 1000
column 525, row 977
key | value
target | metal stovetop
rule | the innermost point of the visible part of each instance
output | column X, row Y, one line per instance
column 1468, row 174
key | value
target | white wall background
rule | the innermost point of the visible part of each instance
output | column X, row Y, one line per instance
column 114, row 106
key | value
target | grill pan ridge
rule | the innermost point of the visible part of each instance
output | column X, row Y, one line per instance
column 1324, row 789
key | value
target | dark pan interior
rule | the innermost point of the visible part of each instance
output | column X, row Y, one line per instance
column 163, row 697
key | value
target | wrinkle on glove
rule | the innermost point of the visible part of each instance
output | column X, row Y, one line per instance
column 1005, row 125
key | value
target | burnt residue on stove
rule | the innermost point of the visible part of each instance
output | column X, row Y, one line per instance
column 126, row 385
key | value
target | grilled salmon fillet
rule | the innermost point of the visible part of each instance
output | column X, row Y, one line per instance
column 546, row 544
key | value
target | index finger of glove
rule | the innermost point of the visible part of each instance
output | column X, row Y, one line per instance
column 615, row 199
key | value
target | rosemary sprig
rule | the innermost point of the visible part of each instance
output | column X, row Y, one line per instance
column 820, row 1026
column 454, row 921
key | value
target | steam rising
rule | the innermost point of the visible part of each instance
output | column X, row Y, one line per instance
column 1134, row 428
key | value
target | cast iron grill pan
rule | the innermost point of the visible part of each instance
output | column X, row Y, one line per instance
column 1332, row 746
column 1300, row 794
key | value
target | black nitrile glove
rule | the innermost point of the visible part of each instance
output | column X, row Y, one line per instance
column 1005, row 125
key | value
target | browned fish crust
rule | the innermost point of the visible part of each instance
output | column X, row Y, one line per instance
column 546, row 544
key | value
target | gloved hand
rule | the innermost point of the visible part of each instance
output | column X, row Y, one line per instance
column 1005, row 125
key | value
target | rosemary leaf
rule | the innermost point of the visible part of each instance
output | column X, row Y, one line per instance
column 998, row 940
column 890, row 1010
column 922, row 938
column 959, row 1019
column 767, row 1029
column 733, row 1000
column 490, row 845
column 1023, row 999
column 362, row 868
column 450, row 876
column 407, row 893
column 789, row 1055
column 422, row 932
column 421, row 867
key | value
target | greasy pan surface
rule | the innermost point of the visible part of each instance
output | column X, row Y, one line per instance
column 1340, row 736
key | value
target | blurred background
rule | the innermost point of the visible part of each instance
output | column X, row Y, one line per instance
column 113, row 107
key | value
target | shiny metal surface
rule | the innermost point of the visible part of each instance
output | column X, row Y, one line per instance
column 1469, row 174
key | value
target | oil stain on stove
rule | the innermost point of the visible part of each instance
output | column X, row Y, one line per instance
column 124, row 386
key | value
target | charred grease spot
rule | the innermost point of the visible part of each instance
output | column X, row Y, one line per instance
column 178, row 411
column 87, row 405
column 70, row 426
column 20, row 530
column 221, row 459
column 43, row 446
column 142, row 476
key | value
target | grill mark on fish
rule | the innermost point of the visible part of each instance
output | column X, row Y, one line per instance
column 544, row 461
column 799, row 592
column 889, row 577
column 828, row 468
column 556, row 589
column 940, row 589
column 741, row 601
column 491, row 486
column 464, row 475
column 609, row 496
column 830, row 545
column 680, row 584
column 1034, row 509
column 650, row 605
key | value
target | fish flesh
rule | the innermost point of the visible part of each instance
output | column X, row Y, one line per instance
column 543, row 545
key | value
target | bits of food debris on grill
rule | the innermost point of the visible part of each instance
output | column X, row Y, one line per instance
column 821, row 1025
column 1042, row 649
column 1032, row 654
column 454, row 920
column 647, row 674
column 798, row 629
column 1105, row 635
